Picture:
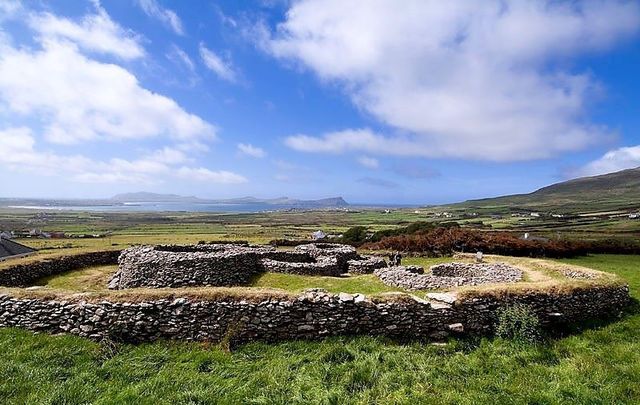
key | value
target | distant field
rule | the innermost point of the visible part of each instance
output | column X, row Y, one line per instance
column 124, row 229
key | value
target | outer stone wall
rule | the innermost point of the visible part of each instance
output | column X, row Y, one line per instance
column 312, row 315
column 23, row 275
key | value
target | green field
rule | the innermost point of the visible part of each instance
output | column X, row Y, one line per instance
column 599, row 365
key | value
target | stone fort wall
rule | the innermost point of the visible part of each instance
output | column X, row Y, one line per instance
column 312, row 315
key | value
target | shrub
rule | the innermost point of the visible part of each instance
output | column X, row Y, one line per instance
column 446, row 241
column 518, row 323
column 356, row 234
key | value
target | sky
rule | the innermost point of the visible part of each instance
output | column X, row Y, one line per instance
column 412, row 102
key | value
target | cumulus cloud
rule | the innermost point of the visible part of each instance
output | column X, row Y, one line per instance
column 369, row 162
column 167, row 17
column 250, row 150
column 478, row 80
column 216, row 64
column 19, row 152
column 612, row 161
column 95, row 32
column 80, row 99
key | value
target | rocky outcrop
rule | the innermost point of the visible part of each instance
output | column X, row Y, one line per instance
column 312, row 315
column 448, row 275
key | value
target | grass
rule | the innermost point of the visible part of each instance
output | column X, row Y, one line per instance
column 600, row 365
column 95, row 279
column 364, row 284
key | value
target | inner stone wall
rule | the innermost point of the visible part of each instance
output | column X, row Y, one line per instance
column 448, row 275
column 232, row 264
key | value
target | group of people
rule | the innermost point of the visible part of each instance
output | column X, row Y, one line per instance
column 395, row 259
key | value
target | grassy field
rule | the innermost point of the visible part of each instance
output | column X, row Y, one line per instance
column 600, row 365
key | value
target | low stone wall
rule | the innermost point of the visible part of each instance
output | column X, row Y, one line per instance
column 23, row 275
column 182, row 266
column 309, row 316
column 366, row 265
column 449, row 275
column 322, row 266
column 232, row 264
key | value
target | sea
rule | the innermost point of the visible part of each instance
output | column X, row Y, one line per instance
column 198, row 207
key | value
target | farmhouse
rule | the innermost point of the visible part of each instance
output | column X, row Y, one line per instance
column 11, row 249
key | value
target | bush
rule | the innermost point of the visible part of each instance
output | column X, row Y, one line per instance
column 356, row 234
column 518, row 323
column 446, row 241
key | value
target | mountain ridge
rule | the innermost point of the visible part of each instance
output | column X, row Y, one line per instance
column 156, row 197
column 612, row 191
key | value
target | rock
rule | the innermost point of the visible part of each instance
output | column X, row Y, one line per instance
column 456, row 327
column 344, row 297
column 449, row 298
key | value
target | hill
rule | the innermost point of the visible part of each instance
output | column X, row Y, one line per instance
column 619, row 191
column 281, row 201
column 152, row 197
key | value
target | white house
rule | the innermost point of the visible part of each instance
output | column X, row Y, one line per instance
column 317, row 235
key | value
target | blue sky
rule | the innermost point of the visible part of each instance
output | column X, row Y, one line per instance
column 422, row 102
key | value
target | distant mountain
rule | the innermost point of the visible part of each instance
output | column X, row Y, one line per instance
column 281, row 201
column 607, row 192
column 152, row 197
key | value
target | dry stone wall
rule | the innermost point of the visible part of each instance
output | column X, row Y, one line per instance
column 172, row 266
column 312, row 315
column 448, row 275
column 231, row 264
column 23, row 275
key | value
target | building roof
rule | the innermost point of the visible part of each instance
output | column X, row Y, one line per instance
column 10, row 248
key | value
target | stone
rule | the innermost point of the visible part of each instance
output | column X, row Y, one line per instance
column 456, row 327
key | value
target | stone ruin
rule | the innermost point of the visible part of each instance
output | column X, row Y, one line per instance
column 233, row 264
column 448, row 275
column 227, row 265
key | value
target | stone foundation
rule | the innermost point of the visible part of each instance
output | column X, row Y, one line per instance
column 448, row 275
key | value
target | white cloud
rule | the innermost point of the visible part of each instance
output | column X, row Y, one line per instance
column 177, row 55
column 612, row 161
column 206, row 175
column 18, row 152
column 216, row 64
column 168, row 17
column 79, row 99
column 250, row 150
column 9, row 8
column 96, row 32
column 463, row 79
column 369, row 162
